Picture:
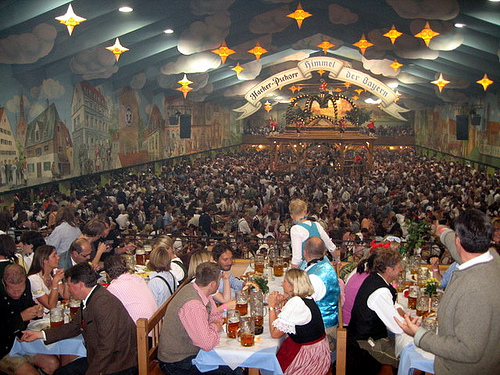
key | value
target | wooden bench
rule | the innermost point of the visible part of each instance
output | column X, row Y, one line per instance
column 148, row 338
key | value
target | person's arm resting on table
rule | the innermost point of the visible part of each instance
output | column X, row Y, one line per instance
column 203, row 332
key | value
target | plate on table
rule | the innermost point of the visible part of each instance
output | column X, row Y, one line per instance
column 39, row 324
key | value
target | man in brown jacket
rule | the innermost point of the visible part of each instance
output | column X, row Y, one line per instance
column 106, row 326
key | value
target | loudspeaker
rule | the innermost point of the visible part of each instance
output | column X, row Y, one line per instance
column 462, row 127
column 475, row 120
column 173, row 120
column 185, row 126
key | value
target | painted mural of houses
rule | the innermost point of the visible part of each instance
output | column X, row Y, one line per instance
column 21, row 124
column 90, row 118
column 154, row 136
column 48, row 147
column 10, row 167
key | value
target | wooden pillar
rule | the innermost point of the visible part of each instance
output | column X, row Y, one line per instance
column 369, row 148
column 65, row 187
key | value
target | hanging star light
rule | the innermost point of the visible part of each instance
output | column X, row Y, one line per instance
column 440, row 82
column 359, row 91
column 485, row 82
column 299, row 87
column 338, row 89
column 258, row 51
column 363, row 44
column 427, row 34
column 393, row 34
column 347, row 84
column 321, row 72
column 293, row 88
column 268, row 106
column 398, row 94
column 355, row 97
column 325, row 46
column 238, row 68
column 299, row 15
column 395, row 65
column 70, row 19
column 184, row 82
column 223, row 51
column 117, row 49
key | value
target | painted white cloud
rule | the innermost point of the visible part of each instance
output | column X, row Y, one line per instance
column 196, row 63
column 273, row 21
column 201, row 95
column 166, row 81
column 205, row 35
column 426, row 9
column 138, row 81
column 50, row 89
column 411, row 104
column 420, row 53
column 407, row 78
column 379, row 67
column 94, row 63
column 449, row 40
column 13, row 104
column 240, row 90
column 313, row 41
column 252, row 70
column 35, row 110
column 199, row 81
column 278, row 68
column 204, row 7
column 452, row 96
column 28, row 48
column 341, row 16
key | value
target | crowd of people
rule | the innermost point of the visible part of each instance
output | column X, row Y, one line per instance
column 234, row 205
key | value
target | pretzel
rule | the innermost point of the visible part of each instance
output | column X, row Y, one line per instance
column 250, row 284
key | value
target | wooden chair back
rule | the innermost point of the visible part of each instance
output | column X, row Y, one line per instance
column 148, row 338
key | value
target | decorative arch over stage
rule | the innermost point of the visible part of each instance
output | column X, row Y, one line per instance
column 337, row 70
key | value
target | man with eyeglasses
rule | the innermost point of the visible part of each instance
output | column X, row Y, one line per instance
column 79, row 252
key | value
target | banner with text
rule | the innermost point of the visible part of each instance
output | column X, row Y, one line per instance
column 337, row 70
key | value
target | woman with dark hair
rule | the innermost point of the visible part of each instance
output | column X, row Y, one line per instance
column 7, row 252
column 65, row 232
column 45, row 287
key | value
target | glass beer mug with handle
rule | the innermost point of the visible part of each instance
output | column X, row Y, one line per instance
column 246, row 332
column 233, row 323
column 258, row 311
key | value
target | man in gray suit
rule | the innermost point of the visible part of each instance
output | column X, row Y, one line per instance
column 79, row 252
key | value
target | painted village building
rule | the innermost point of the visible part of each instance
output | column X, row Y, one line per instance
column 10, row 167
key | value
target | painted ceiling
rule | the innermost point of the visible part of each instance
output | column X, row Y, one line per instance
column 36, row 47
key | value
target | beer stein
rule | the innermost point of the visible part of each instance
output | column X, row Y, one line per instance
column 258, row 264
column 233, row 323
column 246, row 332
column 56, row 317
column 278, row 267
column 257, row 312
column 242, row 302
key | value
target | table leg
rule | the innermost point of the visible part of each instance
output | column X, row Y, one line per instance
column 253, row 371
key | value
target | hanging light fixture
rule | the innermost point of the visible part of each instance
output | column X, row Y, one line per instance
column 184, row 82
column 485, row 82
column 117, row 49
column 325, row 46
column 238, row 68
column 363, row 44
column 258, row 51
column 440, row 82
column 299, row 15
column 393, row 34
column 427, row 34
column 70, row 19
column 359, row 91
column 395, row 65
column 223, row 51
column 267, row 106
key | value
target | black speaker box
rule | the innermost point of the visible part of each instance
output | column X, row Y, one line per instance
column 462, row 127
column 185, row 126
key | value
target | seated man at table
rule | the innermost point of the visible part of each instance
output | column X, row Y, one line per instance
column 375, row 310
column 108, row 331
column 79, row 252
column 326, row 285
column 17, row 308
column 469, row 328
column 193, row 324
column 223, row 255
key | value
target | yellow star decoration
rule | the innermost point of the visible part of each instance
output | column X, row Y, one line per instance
column 299, row 15
column 268, row 106
column 70, row 19
column 427, row 34
column 395, row 65
column 258, row 51
column 321, row 72
column 223, row 51
column 363, row 44
column 393, row 34
column 184, row 82
column 359, row 91
column 238, row 68
column 293, row 88
column 299, row 87
column 440, row 82
column 338, row 89
column 398, row 94
column 117, row 49
column 485, row 82
column 325, row 46
column 355, row 97
column 347, row 84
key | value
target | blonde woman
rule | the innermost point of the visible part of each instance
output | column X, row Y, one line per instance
column 305, row 350
column 302, row 229
column 177, row 268
column 224, row 298
column 161, row 282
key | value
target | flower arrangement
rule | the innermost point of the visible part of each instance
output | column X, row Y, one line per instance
column 262, row 282
column 431, row 286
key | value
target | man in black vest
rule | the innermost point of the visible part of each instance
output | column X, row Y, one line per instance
column 375, row 308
